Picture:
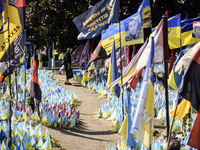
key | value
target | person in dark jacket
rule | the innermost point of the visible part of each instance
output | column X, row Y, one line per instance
column 67, row 64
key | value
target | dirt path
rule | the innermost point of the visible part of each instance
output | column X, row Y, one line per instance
column 94, row 132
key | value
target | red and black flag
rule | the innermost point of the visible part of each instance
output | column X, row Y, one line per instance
column 190, row 90
column 99, row 53
column 35, row 90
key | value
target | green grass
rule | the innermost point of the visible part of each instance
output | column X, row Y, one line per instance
column 76, row 103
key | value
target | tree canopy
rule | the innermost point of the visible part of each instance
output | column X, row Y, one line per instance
column 51, row 21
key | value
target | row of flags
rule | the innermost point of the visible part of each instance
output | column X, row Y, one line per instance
column 188, row 91
column 180, row 34
column 97, row 18
column 130, row 30
column 12, row 52
column 177, row 29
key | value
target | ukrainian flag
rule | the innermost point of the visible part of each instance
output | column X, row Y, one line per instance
column 182, row 108
column 146, row 13
column 182, row 63
column 187, row 30
column 54, row 49
column 174, row 31
column 142, row 126
column 126, row 125
column 175, row 77
column 113, row 33
column 112, row 73
column 125, row 29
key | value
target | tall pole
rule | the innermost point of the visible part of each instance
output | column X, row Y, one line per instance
column 165, row 40
column 16, row 85
column 121, row 63
column 7, row 11
column 25, row 66
column 53, row 58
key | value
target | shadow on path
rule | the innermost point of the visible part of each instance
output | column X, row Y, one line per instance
column 81, row 132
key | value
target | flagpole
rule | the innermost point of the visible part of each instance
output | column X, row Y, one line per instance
column 165, row 34
column 25, row 67
column 122, row 91
column 7, row 5
column 16, row 84
column 169, row 136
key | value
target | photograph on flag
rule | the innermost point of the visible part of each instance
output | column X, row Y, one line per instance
column 196, row 29
column 132, row 30
column 131, row 33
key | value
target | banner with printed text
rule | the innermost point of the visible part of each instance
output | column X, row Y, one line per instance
column 92, row 22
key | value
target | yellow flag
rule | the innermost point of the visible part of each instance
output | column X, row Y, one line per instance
column 123, row 128
column 182, row 109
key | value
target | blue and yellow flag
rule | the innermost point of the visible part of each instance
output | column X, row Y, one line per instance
column 113, row 73
column 183, row 62
column 132, row 30
column 183, row 108
column 142, row 126
column 175, row 77
column 54, row 49
column 126, row 125
column 131, row 33
column 146, row 13
column 108, row 36
column 92, row 22
column 174, row 31
column 187, row 30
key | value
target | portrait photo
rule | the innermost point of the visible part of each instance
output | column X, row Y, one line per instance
column 196, row 29
column 134, row 29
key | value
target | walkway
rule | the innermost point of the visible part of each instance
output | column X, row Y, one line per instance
column 93, row 133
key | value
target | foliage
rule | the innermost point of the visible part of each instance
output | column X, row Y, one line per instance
column 51, row 21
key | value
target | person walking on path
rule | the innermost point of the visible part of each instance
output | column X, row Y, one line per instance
column 67, row 64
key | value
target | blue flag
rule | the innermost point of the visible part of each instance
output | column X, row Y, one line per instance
column 130, row 140
column 112, row 73
column 92, row 22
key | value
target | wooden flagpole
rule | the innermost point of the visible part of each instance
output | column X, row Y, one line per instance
column 169, row 136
